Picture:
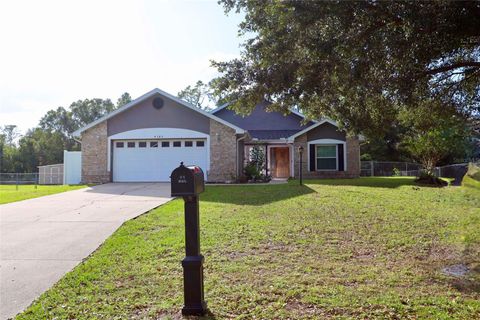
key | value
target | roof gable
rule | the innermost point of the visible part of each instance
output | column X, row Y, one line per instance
column 148, row 95
column 313, row 126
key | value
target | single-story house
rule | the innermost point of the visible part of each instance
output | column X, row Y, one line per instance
column 147, row 138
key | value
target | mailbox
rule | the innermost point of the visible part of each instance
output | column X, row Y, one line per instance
column 187, row 181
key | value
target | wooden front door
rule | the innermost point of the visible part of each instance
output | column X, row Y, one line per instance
column 281, row 162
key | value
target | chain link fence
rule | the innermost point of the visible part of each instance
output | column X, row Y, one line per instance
column 19, row 178
column 51, row 178
column 389, row 168
column 456, row 171
column 392, row 168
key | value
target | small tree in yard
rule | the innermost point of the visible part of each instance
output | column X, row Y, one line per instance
column 431, row 138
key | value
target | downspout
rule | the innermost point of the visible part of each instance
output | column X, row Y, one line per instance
column 237, row 155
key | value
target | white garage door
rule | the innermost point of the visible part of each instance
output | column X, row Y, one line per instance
column 154, row 160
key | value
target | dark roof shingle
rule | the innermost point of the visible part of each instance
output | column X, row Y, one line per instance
column 271, row 134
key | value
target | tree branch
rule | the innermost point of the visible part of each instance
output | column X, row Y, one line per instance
column 453, row 66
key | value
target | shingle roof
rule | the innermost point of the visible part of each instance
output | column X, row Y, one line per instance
column 262, row 119
column 271, row 134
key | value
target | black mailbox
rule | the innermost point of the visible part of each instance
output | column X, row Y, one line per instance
column 187, row 181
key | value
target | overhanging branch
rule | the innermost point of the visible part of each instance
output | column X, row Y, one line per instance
column 463, row 64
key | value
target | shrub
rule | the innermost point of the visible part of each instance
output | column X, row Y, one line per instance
column 396, row 172
column 251, row 171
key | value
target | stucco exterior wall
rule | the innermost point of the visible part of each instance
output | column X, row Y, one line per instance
column 352, row 153
column 94, row 154
column 223, row 153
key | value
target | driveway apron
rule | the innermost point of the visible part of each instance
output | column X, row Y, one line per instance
column 41, row 239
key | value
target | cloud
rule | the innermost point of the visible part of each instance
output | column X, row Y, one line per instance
column 57, row 52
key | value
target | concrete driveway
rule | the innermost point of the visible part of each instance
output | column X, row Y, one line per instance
column 42, row 239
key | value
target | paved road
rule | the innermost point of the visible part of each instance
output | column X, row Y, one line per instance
column 42, row 239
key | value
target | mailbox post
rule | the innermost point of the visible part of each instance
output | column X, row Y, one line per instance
column 188, row 182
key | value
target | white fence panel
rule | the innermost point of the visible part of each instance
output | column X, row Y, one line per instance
column 72, row 167
column 50, row 174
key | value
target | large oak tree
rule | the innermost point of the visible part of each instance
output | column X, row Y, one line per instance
column 359, row 62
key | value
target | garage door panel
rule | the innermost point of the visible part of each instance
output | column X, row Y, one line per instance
column 155, row 164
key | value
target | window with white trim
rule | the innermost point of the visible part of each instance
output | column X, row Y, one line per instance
column 326, row 157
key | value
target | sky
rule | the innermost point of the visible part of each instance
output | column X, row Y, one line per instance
column 55, row 52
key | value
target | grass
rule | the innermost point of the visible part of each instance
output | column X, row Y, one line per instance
column 9, row 193
column 472, row 178
column 364, row 248
column 469, row 182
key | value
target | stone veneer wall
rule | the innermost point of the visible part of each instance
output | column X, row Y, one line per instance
column 223, row 153
column 94, row 154
column 353, row 160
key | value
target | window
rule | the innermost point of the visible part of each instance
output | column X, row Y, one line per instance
column 165, row 144
column 153, row 144
column 177, row 143
column 131, row 144
column 119, row 144
column 188, row 143
column 142, row 144
column 200, row 143
column 326, row 157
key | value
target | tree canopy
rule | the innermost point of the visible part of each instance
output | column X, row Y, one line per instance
column 358, row 62
column 198, row 95
column 45, row 144
column 124, row 99
column 9, row 133
column 202, row 95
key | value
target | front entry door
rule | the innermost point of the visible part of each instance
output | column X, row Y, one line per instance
column 281, row 165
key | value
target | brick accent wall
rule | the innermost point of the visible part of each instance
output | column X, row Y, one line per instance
column 94, row 154
column 223, row 153
column 353, row 160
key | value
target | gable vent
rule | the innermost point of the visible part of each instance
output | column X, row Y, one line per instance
column 157, row 103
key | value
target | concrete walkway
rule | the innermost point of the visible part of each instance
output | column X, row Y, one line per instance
column 42, row 239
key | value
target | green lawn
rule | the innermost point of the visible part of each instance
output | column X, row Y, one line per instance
column 9, row 193
column 472, row 178
column 364, row 248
